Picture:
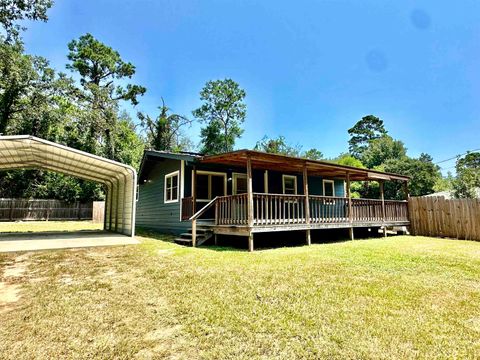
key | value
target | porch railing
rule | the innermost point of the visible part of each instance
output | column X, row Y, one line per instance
column 280, row 209
column 272, row 209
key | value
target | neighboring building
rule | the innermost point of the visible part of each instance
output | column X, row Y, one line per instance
column 449, row 194
column 244, row 192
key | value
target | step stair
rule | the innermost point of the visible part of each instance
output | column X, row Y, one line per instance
column 203, row 235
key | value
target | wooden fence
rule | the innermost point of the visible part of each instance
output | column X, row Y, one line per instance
column 437, row 216
column 36, row 209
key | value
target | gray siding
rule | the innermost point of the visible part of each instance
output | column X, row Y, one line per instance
column 152, row 212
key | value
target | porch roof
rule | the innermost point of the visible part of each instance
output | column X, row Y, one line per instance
column 261, row 160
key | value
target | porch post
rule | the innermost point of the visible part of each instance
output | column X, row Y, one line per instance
column 194, row 205
column 250, row 203
column 307, row 203
column 382, row 197
column 350, row 215
column 194, row 189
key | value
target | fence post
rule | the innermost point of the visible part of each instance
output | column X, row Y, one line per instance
column 11, row 209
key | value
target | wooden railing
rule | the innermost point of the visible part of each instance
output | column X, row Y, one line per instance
column 396, row 210
column 188, row 208
column 271, row 209
column 231, row 210
column 279, row 209
column 328, row 209
column 367, row 210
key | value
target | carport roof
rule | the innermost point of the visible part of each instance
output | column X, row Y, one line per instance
column 24, row 151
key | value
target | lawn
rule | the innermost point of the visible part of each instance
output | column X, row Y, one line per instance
column 401, row 297
column 47, row 226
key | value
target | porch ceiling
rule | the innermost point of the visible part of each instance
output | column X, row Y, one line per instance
column 284, row 163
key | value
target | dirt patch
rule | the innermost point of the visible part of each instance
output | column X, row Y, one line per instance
column 162, row 334
column 9, row 294
column 9, row 286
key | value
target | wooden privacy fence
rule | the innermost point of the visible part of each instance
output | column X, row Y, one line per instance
column 437, row 216
column 39, row 209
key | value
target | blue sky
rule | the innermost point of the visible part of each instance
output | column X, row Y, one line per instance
column 311, row 69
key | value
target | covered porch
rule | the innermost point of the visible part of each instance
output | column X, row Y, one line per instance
column 250, row 212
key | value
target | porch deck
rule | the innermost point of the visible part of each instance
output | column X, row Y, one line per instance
column 278, row 212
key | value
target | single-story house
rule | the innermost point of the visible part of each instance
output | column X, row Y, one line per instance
column 246, row 192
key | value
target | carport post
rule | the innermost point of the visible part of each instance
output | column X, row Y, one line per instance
column 116, row 205
column 134, row 202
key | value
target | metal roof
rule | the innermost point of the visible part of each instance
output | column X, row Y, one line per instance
column 25, row 151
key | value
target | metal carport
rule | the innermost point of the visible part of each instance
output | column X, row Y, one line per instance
column 29, row 152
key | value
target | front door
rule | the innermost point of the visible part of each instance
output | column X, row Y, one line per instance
column 209, row 185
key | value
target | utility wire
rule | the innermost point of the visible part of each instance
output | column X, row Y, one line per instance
column 457, row 156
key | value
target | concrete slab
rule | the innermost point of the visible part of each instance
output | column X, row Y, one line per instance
column 46, row 241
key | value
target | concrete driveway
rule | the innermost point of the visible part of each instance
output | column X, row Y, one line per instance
column 45, row 241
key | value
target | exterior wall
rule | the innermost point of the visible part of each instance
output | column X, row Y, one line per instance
column 152, row 212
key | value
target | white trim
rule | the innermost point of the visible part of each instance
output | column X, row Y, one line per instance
column 294, row 177
column 265, row 181
column 182, row 185
column 324, row 181
column 235, row 176
column 171, row 175
column 205, row 172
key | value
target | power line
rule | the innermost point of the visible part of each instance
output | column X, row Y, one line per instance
column 457, row 156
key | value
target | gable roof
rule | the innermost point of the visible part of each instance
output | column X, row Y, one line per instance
column 151, row 157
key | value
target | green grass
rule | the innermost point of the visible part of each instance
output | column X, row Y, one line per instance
column 47, row 226
column 401, row 297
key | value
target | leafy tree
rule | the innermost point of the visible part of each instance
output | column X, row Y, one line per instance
column 280, row 146
column 423, row 172
column 367, row 129
column 382, row 149
column 12, row 11
column 130, row 145
column 444, row 183
column 223, row 112
column 313, row 154
column 277, row 145
column 467, row 182
column 102, row 74
column 165, row 131
column 348, row 160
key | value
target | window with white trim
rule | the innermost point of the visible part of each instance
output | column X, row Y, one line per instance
column 289, row 184
column 328, row 188
column 171, row 187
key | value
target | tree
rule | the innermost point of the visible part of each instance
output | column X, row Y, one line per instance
column 313, row 154
column 367, row 129
column 382, row 149
column 165, row 131
column 467, row 182
column 280, row 146
column 423, row 172
column 348, row 160
column 101, row 71
column 12, row 11
column 223, row 112
column 277, row 145
column 129, row 145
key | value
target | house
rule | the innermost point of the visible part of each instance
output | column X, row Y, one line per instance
column 246, row 192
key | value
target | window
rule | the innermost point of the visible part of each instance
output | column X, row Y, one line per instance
column 239, row 183
column 328, row 188
column 209, row 184
column 289, row 184
column 171, row 187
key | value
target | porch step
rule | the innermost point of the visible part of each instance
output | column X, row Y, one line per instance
column 202, row 236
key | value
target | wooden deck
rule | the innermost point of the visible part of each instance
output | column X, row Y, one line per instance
column 278, row 212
